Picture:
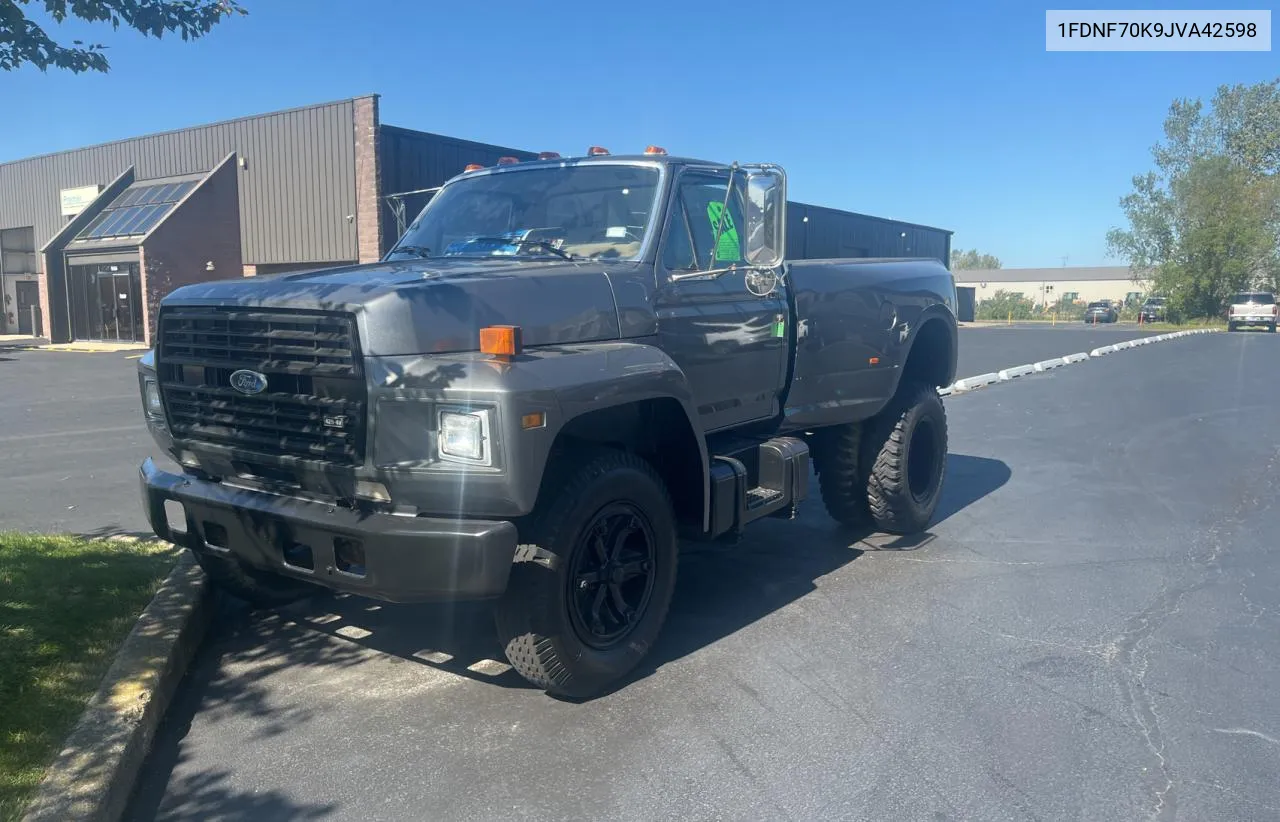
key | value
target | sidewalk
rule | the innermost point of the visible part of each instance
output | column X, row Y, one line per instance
column 42, row 344
column 21, row 341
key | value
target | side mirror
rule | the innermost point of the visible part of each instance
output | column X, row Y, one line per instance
column 766, row 215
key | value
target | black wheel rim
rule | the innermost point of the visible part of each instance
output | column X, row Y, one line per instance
column 612, row 575
column 923, row 460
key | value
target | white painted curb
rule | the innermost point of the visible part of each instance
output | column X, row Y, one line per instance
column 1007, row 374
column 970, row 383
column 1121, row 346
column 1070, row 358
column 1098, row 352
column 1045, row 365
column 946, row 392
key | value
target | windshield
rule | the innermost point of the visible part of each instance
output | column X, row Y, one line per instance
column 591, row 211
column 1253, row 297
column 1099, row 305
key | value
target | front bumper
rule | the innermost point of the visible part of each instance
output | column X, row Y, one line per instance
column 406, row 559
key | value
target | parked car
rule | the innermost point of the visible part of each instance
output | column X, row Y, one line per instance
column 1101, row 311
column 490, row 414
column 1154, row 310
column 1252, row 308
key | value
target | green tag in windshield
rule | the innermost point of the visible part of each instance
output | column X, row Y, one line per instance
column 728, row 248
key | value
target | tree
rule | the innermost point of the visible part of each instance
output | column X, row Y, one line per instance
column 23, row 40
column 971, row 260
column 1003, row 304
column 1206, row 222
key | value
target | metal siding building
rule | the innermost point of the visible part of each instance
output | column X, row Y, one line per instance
column 327, row 184
column 297, row 183
column 817, row 232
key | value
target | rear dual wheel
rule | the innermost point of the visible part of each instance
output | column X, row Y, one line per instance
column 887, row 472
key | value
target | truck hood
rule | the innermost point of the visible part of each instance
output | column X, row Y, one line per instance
column 438, row 305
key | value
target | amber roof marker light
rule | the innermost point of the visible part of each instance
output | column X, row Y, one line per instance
column 597, row 151
column 472, row 167
column 655, row 150
column 501, row 340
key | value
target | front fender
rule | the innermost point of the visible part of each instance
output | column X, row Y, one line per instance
column 561, row 382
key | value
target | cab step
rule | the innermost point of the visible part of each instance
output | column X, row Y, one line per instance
column 755, row 479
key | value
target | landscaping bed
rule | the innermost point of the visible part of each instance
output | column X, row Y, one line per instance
column 66, row 604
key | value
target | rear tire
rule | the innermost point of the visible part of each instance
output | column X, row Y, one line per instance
column 258, row 588
column 844, row 490
column 593, row 579
column 904, row 457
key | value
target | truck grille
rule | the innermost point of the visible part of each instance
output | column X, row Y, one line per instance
column 314, row 403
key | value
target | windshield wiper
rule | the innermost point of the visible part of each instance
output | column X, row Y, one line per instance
column 543, row 244
column 415, row 250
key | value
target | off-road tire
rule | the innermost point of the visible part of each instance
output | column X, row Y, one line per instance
column 835, row 457
column 903, row 494
column 533, row 617
column 1272, row 328
column 1232, row 327
column 258, row 588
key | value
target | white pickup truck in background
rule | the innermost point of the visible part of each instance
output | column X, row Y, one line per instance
column 1252, row 308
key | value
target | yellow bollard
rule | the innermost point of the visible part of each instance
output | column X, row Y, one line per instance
column 1055, row 319
column 1010, row 322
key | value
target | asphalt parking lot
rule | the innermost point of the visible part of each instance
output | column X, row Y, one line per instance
column 987, row 348
column 1089, row 631
column 71, row 439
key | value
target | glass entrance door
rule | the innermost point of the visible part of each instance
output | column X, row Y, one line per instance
column 106, row 302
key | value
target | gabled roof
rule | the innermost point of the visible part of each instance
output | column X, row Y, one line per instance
column 136, row 210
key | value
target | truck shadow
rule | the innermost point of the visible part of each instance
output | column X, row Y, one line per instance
column 722, row 589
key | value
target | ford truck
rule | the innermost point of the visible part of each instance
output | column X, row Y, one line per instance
column 564, row 369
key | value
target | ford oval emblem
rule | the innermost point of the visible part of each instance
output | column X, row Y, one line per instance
column 248, row 382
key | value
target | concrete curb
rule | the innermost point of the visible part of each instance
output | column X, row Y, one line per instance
column 1102, row 351
column 970, row 383
column 1046, row 365
column 1006, row 374
column 1074, row 358
column 94, row 775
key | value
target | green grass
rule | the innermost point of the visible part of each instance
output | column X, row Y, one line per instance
column 66, row 604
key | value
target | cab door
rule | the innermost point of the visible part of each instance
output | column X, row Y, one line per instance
column 730, row 342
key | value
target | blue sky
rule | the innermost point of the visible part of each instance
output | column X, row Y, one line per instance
column 945, row 113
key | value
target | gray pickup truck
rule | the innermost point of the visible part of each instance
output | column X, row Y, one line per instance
column 562, row 369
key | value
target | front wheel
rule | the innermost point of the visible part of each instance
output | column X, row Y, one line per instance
column 1232, row 327
column 904, row 460
column 594, row 577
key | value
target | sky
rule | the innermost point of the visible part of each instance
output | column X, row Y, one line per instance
column 945, row 113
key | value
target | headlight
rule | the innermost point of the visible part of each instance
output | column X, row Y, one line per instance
column 463, row 436
column 152, row 397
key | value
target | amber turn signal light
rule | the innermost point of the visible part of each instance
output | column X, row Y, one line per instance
column 501, row 340
column 538, row 419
